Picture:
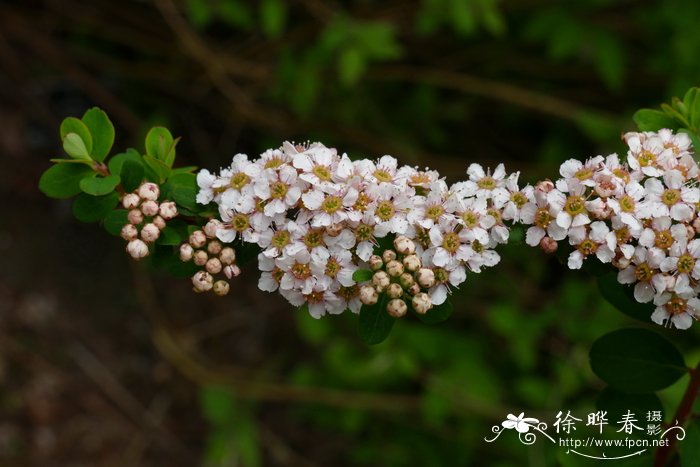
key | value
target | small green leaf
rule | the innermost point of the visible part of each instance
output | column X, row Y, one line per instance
column 689, row 449
column 218, row 405
column 653, row 120
column 98, row 186
column 374, row 323
column 117, row 161
column 438, row 313
column 622, row 297
column 115, row 220
column 160, row 145
column 362, row 275
column 351, row 65
column 73, row 125
column 87, row 208
column 273, row 14
column 132, row 173
column 183, row 190
column 63, row 180
column 169, row 236
column 75, row 147
column 102, row 132
column 617, row 403
column 183, row 170
column 156, row 170
column 636, row 360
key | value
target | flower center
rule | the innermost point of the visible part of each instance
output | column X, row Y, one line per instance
column 332, row 267
column 348, row 293
column 587, row 247
column 277, row 274
column 441, row 276
column 495, row 213
column 301, row 271
column 278, row 190
column 627, row 204
column 322, row 172
column 363, row 232
column 383, row 175
column 670, row 197
column 362, row 202
column 584, row 173
column 239, row 180
column 240, row 222
column 663, row 240
column 486, row 183
column 421, row 178
column 477, row 246
column 574, row 205
column 622, row 174
column 313, row 238
column 686, row 263
column 434, row 212
column 331, row 204
column 518, row 199
column 451, row 242
column 622, row 234
column 274, row 163
column 676, row 305
column 543, row 218
column 280, row 239
column 315, row 297
column 643, row 273
column 646, row 158
column 471, row 219
column 385, row 211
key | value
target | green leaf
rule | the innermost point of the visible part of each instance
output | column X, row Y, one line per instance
column 87, row 208
column 675, row 114
column 273, row 14
column 374, row 323
column 694, row 108
column 132, row 173
column 362, row 275
column 218, row 405
column 438, row 313
column 351, row 65
column 73, row 125
column 622, row 297
column 98, row 186
column 102, row 132
column 183, row 170
column 118, row 160
column 183, row 190
column 160, row 145
column 63, row 180
column 156, row 170
column 636, row 360
column 75, row 147
column 689, row 449
column 169, row 236
column 617, row 403
column 653, row 120
column 115, row 220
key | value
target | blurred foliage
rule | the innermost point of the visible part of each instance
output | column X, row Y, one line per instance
column 438, row 82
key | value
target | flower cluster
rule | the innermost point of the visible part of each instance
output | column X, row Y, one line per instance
column 147, row 217
column 639, row 213
column 318, row 217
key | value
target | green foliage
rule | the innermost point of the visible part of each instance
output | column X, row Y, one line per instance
column 437, row 314
column 98, row 186
column 617, row 403
column 102, row 132
column 680, row 115
column 689, row 448
column 88, row 208
column 160, row 145
column 622, row 297
column 636, row 360
column 115, row 220
column 63, row 180
column 362, row 275
column 374, row 323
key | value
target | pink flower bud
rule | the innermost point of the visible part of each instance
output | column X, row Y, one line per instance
column 397, row 308
column 135, row 217
column 227, row 255
column 413, row 289
column 129, row 232
column 422, row 303
column 137, row 249
column 368, row 295
column 149, row 208
column 425, row 278
column 198, row 239
column 394, row 268
column 214, row 247
column 696, row 224
column 159, row 222
column 186, row 252
column 211, row 227
column 213, row 265
column 168, row 210
column 380, row 281
column 404, row 245
column 130, row 201
column 545, row 186
column 150, row 233
column 549, row 245
column 375, row 263
column 334, row 230
column 221, row 288
column 200, row 257
column 411, row 263
column 388, row 255
column 394, row 290
column 691, row 231
column 406, row 280
column 202, row 281
column 149, row 191
column 232, row 271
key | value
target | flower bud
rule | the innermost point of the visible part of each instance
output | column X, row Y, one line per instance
column 200, row 257
column 368, row 295
column 414, row 289
column 150, row 233
column 691, row 231
column 129, row 232
column 227, row 255
column 214, row 247
column 696, row 224
column 130, row 201
column 375, row 263
column 412, row 263
column 545, row 186
column 394, row 268
column 213, row 266
column 135, row 217
column 158, row 222
column 404, row 245
column 406, row 280
column 388, row 255
column 549, row 245
column 394, row 290
column 621, row 262
column 380, row 280
column 198, row 239
column 422, row 303
column 396, row 308
column 211, row 227
column 149, row 208
column 202, row 281
column 137, row 249
column 232, row 271
column 425, row 278
column 186, row 252
column 334, row 230
column 149, row 191
column 221, row 288
column 167, row 210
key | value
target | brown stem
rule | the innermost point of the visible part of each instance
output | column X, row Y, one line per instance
column 664, row 453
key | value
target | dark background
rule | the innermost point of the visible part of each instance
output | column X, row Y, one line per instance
column 103, row 362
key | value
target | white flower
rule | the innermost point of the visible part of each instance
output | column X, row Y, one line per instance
column 676, row 309
column 683, row 264
column 644, row 270
column 279, row 188
column 582, row 172
column 542, row 216
column 674, row 199
column 596, row 239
